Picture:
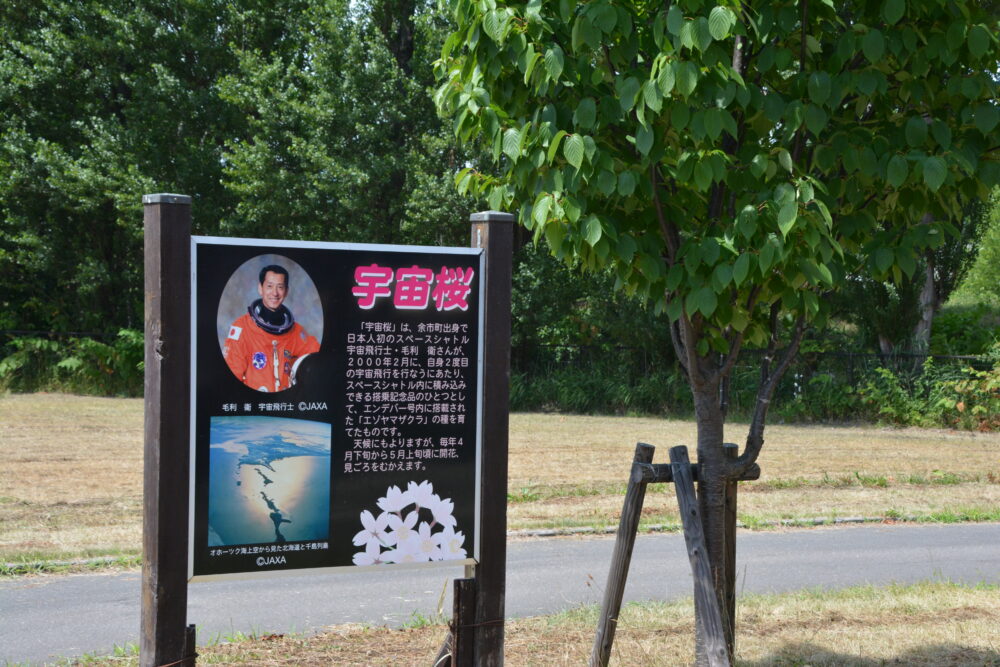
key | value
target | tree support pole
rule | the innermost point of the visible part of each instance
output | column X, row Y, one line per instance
column 710, row 637
column 731, row 451
column 621, row 558
column 494, row 233
column 165, row 639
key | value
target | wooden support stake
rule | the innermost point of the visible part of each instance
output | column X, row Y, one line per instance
column 653, row 473
column 165, row 638
column 621, row 558
column 494, row 232
column 731, row 451
column 709, row 621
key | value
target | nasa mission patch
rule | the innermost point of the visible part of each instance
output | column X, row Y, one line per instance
column 259, row 360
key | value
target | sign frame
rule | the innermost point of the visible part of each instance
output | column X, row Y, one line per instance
column 196, row 493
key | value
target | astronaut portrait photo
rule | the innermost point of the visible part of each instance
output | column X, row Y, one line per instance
column 270, row 319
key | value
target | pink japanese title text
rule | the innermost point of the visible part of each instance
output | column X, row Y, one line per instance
column 415, row 288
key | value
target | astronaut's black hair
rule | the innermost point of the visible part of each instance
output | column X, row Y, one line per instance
column 273, row 268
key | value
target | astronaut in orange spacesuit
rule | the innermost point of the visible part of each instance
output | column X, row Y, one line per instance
column 263, row 345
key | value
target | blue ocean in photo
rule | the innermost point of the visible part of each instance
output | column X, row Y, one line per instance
column 269, row 480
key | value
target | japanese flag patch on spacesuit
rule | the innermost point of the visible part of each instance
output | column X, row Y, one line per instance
column 234, row 333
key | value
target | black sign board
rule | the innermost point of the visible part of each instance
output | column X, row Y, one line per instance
column 336, row 393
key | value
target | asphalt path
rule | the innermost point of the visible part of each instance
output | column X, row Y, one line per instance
column 50, row 617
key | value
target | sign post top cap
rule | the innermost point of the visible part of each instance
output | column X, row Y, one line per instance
column 166, row 198
column 491, row 216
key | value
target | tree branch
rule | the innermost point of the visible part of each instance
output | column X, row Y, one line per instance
column 755, row 437
column 669, row 231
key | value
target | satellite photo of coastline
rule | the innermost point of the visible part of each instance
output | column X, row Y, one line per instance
column 269, row 480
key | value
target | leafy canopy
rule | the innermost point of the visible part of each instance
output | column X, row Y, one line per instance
column 729, row 159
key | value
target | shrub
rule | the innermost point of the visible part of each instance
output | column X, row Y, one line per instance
column 77, row 365
column 965, row 329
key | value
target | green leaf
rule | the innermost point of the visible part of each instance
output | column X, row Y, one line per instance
column 785, row 159
column 675, row 276
column 675, row 309
column 811, row 301
column 935, row 171
column 916, row 131
column 883, row 259
column 665, row 80
column 816, row 119
column 787, row 214
column 720, row 21
column 607, row 182
column 493, row 25
column 652, row 96
column 766, row 258
column 893, row 10
column 906, row 261
column 585, row 114
column 710, row 250
column 873, row 46
column 721, row 277
column 747, row 221
column 644, row 139
column 713, row 123
column 986, row 117
column 687, row 77
column 702, row 33
column 819, row 87
column 605, row 18
column 626, row 248
column 512, row 144
column 739, row 320
column 705, row 300
column 680, row 116
column 555, row 232
column 897, row 171
column 741, row 268
column 540, row 211
column 703, row 175
column 955, row 35
column 758, row 166
column 979, row 41
column 626, row 183
column 675, row 20
column 554, row 145
column 573, row 149
column 592, row 230
column 941, row 133
column 554, row 62
column 627, row 89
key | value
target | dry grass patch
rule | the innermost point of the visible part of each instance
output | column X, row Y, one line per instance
column 924, row 625
column 71, row 473
column 70, row 476
column 565, row 449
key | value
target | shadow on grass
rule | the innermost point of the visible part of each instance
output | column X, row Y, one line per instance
column 809, row 655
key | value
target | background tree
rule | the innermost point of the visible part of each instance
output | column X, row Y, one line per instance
column 733, row 163
column 897, row 316
column 102, row 102
column 983, row 279
column 290, row 118
column 344, row 142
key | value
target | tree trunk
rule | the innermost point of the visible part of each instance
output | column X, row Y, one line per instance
column 712, row 478
column 928, row 304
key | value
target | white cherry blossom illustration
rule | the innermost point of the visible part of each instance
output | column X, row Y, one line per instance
column 375, row 530
column 414, row 526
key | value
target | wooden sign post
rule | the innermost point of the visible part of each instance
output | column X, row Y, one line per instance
column 494, row 232
column 165, row 637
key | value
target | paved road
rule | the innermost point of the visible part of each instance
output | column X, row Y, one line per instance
column 43, row 618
